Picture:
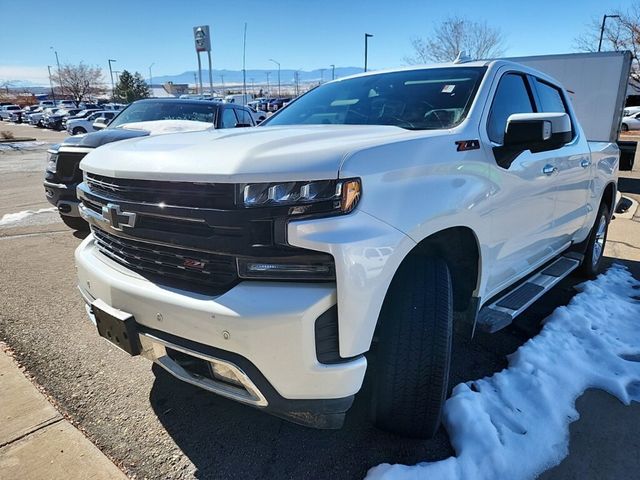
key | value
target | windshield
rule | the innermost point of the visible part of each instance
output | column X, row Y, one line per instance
column 415, row 99
column 148, row 111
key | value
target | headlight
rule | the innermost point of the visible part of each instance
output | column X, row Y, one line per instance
column 336, row 195
column 52, row 158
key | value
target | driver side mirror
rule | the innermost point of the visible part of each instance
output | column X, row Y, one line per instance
column 100, row 123
column 537, row 132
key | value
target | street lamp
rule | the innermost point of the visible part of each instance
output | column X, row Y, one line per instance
column 604, row 19
column 58, row 64
column 333, row 72
column 53, row 94
column 113, row 87
column 150, row 75
column 268, row 86
column 278, row 64
column 366, row 44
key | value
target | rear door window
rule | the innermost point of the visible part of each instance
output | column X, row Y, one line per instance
column 550, row 97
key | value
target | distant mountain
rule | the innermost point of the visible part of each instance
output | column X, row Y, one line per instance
column 234, row 77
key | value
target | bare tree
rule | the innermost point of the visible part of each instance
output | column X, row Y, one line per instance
column 79, row 81
column 619, row 34
column 455, row 35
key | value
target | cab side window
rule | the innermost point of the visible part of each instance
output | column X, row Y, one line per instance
column 228, row 119
column 244, row 116
column 550, row 98
column 512, row 96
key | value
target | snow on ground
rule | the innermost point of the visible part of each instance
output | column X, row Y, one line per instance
column 515, row 424
column 10, row 218
column 22, row 146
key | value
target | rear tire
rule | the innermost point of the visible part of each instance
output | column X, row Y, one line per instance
column 76, row 223
column 78, row 131
column 625, row 127
column 414, row 354
column 595, row 246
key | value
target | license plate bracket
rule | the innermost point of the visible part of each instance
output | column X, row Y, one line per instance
column 117, row 326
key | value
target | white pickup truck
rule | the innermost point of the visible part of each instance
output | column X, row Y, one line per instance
column 269, row 264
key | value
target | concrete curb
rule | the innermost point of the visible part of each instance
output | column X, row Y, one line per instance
column 36, row 442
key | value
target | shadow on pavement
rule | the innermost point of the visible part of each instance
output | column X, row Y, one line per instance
column 224, row 439
column 629, row 185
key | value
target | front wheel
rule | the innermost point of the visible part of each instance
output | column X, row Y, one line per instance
column 595, row 246
column 78, row 131
column 412, row 373
column 625, row 127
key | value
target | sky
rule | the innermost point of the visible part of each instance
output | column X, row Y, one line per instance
column 299, row 34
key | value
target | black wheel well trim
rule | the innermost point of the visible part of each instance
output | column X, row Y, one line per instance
column 609, row 199
column 452, row 245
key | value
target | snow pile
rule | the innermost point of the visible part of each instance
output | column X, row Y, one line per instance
column 156, row 127
column 17, row 217
column 515, row 424
column 22, row 146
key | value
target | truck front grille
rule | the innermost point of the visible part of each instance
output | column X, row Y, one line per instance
column 67, row 165
column 180, row 194
column 216, row 273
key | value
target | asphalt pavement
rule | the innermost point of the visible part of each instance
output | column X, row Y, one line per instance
column 153, row 426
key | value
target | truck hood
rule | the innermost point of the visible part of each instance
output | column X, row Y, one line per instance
column 261, row 154
column 134, row 130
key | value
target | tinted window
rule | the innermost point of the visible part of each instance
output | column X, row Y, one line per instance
column 229, row 119
column 149, row 111
column 511, row 97
column 550, row 98
column 244, row 117
column 414, row 99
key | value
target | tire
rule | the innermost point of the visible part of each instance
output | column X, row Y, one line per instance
column 625, row 127
column 75, row 223
column 78, row 131
column 592, row 262
column 414, row 354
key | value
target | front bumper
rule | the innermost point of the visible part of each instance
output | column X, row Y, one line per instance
column 265, row 328
column 61, row 195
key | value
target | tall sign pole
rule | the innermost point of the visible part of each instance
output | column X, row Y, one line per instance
column 202, row 41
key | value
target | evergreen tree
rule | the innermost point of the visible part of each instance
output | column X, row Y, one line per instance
column 131, row 87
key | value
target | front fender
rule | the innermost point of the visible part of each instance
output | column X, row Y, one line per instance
column 367, row 253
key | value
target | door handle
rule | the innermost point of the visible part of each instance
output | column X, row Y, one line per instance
column 549, row 169
column 584, row 163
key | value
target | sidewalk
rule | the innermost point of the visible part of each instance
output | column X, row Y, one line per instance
column 36, row 442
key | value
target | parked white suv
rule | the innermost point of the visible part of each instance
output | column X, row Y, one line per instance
column 85, row 125
column 266, row 264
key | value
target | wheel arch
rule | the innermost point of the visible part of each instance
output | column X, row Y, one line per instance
column 609, row 196
column 459, row 248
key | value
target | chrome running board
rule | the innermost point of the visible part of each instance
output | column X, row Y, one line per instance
column 501, row 312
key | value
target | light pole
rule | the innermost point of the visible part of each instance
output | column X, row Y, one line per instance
column 150, row 75
column 113, row 87
column 268, row 86
column 366, row 45
column 277, row 63
column 222, row 79
column 604, row 19
column 58, row 64
column 333, row 72
column 53, row 95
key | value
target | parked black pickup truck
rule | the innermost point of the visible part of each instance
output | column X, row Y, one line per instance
column 140, row 119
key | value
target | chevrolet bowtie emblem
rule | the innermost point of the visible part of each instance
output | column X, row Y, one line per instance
column 117, row 218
